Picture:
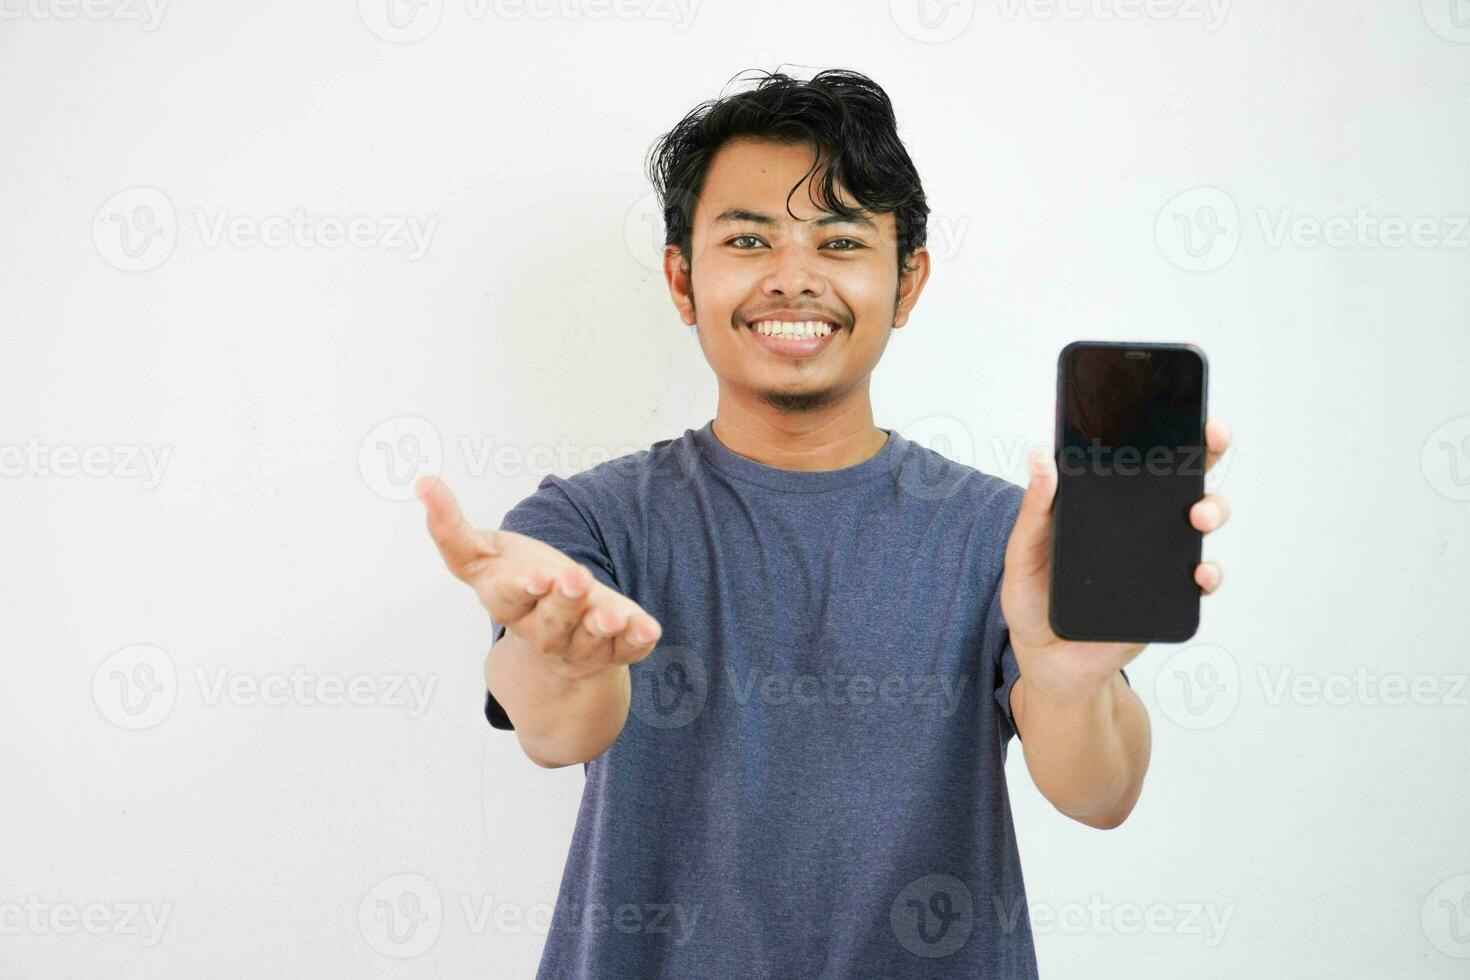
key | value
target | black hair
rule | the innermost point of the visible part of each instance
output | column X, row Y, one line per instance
column 843, row 114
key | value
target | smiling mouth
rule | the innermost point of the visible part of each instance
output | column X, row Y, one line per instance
column 794, row 330
column 794, row 340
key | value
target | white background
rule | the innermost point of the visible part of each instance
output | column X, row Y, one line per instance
column 1328, row 833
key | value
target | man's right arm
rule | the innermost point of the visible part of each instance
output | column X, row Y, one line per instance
column 559, row 720
column 559, row 672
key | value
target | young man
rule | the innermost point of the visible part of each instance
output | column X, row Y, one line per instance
column 782, row 645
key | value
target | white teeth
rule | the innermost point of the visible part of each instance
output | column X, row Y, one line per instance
column 811, row 328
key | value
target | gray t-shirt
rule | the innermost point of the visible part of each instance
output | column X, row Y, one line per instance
column 811, row 779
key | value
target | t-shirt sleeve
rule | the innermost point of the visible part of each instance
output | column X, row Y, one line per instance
column 1010, row 672
column 560, row 516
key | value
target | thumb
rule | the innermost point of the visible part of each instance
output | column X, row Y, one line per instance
column 458, row 542
column 1029, row 549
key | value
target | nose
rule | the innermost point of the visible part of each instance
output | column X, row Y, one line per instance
column 791, row 274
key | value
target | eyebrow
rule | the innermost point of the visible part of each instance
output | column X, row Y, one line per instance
column 731, row 215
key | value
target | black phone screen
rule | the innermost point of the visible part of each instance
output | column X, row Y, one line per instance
column 1130, row 464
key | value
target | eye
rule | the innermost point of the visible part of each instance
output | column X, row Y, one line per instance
column 852, row 243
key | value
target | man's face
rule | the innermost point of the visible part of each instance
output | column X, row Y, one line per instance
column 752, row 261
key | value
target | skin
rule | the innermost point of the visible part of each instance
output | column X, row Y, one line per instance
column 800, row 414
column 562, row 673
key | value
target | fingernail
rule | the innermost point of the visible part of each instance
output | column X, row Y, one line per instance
column 571, row 591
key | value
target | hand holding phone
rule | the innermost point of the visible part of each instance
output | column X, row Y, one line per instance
column 1130, row 456
column 1092, row 650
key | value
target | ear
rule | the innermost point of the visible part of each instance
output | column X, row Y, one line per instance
column 677, row 275
column 911, row 285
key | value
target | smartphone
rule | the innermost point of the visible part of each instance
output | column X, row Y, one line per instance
column 1130, row 452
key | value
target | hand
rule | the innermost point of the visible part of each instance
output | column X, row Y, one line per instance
column 1065, row 668
column 541, row 594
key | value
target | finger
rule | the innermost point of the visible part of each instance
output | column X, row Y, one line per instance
column 1028, row 551
column 512, row 595
column 558, row 615
column 1217, row 440
column 1208, row 576
column 604, row 616
column 461, row 545
column 638, row 640
column 614, row 630
column 1209, row 512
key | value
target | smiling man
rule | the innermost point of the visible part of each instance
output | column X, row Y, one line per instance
column 790, row 647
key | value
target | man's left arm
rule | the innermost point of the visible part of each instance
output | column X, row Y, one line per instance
column 1087, row 750
column 1085, row 734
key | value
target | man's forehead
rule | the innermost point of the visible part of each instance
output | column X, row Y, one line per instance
column 750, row 181
column 820, row 219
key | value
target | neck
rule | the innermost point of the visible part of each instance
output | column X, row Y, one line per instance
column 808, row 442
